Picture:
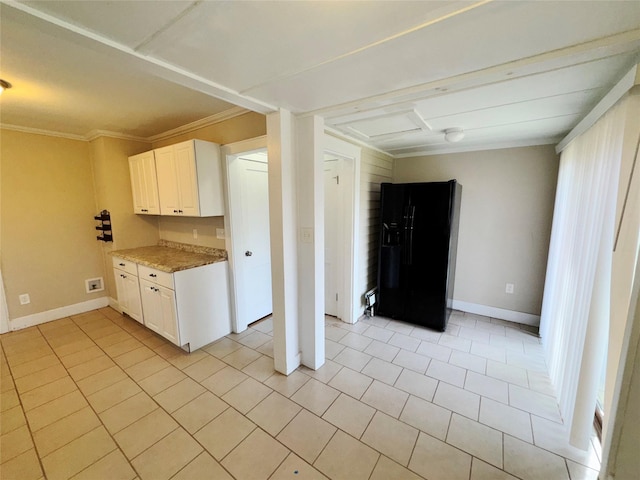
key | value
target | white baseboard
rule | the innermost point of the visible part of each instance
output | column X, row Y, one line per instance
column 57, row 313
column 113, row 303
column 495, row 312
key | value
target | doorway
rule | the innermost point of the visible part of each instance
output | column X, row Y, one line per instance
column 247, row 234
column 333, row 235
column 342, row 200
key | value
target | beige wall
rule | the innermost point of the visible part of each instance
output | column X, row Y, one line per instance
column 242, row 127
column 180, row 229
column 109, row 160
column 505, row 220
column 49, row 244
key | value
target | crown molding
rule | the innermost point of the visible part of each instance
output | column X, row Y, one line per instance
column 40, row 131
column 203, row 122
column 93, row 134
column 428, row 151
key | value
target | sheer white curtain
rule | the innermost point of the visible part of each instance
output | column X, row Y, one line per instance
column 575, row 309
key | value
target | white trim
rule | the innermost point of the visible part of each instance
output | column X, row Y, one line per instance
column 609, row 100
column 93, row 134
column 203, row 122
column 351, row 154
column 495, row 312
column 40, row 131
column 229, row 153
column 57, row 313
column 476, row 148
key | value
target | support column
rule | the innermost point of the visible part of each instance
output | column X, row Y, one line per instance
column 282, row 218
column 310, row 164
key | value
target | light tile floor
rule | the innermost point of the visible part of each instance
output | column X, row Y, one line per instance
column 98, row 396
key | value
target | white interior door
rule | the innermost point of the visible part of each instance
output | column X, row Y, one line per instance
column 249, row 200
column 333, row 236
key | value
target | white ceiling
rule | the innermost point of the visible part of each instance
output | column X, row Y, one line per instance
column 393, row 74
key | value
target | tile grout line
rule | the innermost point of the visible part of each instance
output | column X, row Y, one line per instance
column 117, row 446
column 26, row 421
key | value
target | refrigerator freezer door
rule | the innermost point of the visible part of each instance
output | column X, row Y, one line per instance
column 391, row 258
column 416, row 263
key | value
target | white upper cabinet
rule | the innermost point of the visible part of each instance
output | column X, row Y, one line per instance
column 182, row 179
column 190, row 179
column 144, row 185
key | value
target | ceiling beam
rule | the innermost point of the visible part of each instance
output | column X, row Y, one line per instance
column 546, row 62
column 609, row 100
column 151, row 65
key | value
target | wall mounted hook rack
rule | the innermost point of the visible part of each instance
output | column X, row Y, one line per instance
column 104, row 217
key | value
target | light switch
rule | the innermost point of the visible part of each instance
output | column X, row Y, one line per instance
column 307, row 235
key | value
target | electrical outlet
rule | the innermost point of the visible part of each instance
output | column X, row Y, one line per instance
column 195, row 233
column 509, row 288
column 24, row 299
column 220, row 233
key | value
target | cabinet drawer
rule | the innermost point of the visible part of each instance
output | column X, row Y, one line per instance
column 125, row 265
column 156, row 276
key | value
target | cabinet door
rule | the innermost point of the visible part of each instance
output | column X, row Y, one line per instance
column 144, row 185
column 121, row 289
column 150, row 183
column 151, row 306
column 167, row 183
column 169, row 318
column 136, row 171
column 187, row 178
column 134, row 306
column 159, row 304
column 128, row 290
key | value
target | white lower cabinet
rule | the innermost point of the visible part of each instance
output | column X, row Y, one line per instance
column 159, row 305
column 190, row 307
column 128, row 288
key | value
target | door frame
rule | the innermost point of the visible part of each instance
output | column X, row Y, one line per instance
column 349, row 308
column 229, row 153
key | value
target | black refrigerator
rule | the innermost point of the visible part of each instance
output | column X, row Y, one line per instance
column 417, row 256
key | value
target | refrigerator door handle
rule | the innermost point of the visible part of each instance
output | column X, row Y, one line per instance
column 405, row 240
column 412, row 213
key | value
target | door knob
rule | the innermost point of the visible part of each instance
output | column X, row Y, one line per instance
column 248, row 253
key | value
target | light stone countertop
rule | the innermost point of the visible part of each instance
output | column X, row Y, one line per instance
column 172, row 256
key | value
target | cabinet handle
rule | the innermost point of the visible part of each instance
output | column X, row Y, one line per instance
column 175, row 211
column 179, row 211
column 153, row 275
column 121, row 264
column 145, row 210
column 123, row 276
